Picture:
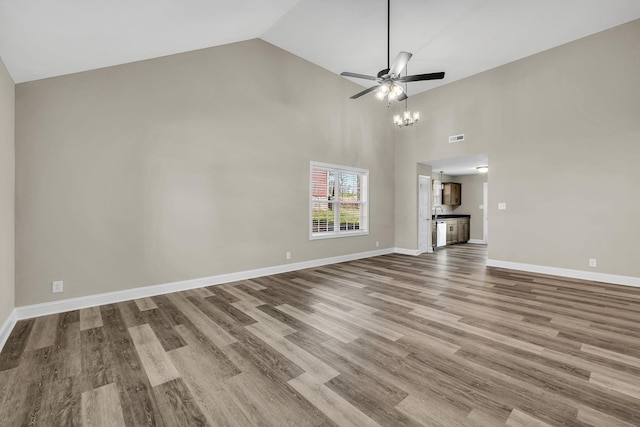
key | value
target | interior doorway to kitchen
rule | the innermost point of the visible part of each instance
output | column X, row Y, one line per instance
column 467, row 174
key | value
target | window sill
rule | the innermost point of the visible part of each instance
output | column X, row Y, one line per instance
column 337, row 234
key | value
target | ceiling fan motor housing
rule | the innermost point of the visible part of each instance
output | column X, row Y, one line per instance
column 383, row 73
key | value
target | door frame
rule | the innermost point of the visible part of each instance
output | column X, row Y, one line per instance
column 485, row 212
column 424, row 185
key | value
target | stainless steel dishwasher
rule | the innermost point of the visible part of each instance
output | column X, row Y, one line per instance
column 441, row 233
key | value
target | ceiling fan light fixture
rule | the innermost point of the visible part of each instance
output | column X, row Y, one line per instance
column 384, row 89
column 380, row 95
column 396, row 90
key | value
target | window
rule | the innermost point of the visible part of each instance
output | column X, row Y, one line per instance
column 339, row 198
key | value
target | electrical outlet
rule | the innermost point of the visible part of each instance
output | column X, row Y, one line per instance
column 288, row 255
column 377, row 244
column 57, row 286
column 593, row 262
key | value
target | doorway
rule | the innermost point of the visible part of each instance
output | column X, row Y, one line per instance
column 467, row 171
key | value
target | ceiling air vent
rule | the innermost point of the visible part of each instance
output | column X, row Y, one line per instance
column 456, row 138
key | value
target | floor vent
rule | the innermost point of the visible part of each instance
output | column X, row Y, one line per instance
column 456, row 138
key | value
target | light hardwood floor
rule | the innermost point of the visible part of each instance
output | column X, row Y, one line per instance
column 435, row 340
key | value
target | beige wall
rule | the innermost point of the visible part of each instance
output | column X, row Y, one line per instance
column 7, row 195
column 561, row 129
column 184, row 167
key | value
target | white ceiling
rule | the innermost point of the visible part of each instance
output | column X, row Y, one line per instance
column 44, row 38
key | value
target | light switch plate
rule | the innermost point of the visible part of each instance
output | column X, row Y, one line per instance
column 502, row 206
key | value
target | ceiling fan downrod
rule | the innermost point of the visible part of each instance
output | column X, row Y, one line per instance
column 388, row 34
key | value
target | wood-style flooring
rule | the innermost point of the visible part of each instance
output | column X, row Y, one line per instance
column 435, row 340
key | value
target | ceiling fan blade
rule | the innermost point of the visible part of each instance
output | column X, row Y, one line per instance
column 357, row 76
column 364, row 92
column 420, row 77
column 399, row 64
column 402, row 97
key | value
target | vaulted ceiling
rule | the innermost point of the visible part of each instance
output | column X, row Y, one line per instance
column 43, row 38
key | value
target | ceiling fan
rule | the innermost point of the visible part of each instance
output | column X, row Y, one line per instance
column 388, row 80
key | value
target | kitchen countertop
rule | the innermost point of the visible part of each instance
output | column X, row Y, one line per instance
column 450, row 216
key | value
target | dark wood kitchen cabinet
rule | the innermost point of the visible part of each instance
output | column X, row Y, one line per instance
column 452, row 231
column 464, row 233
column 452, row 194
column 457, row 230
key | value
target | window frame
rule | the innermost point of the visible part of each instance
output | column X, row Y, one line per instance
column 364, row 202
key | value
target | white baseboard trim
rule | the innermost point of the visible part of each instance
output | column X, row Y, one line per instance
column 7, row 327
column 565, row 272
column 476, row 242
column 53, row 307
column 403, row 251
